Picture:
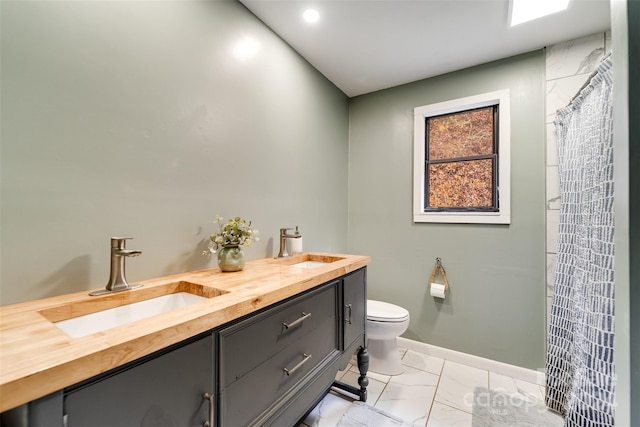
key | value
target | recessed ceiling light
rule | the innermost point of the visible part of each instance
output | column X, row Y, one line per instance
column 528, row 10
column 311, row 16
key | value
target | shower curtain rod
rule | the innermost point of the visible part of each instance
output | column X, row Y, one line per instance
column 585, row 84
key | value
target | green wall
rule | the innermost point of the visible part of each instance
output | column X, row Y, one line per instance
column 136, row 119
column 496, row 306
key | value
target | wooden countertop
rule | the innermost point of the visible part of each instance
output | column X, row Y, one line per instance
column 37, row 358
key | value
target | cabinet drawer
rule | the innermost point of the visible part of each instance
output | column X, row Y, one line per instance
column 248, row 344
column 301, row 402
column 260, row 388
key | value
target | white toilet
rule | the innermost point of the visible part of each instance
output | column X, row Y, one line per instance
column 385, row 322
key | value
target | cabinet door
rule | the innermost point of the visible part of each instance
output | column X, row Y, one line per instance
column 355, row 301
column 161, row 392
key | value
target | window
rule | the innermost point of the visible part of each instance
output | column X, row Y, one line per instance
column 461, row 160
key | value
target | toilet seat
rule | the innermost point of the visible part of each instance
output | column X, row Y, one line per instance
column 378, row 311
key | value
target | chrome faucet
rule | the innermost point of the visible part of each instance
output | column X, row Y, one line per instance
column 117, row 279
column 283, row 240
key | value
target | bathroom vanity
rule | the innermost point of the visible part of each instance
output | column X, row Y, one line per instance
column 262, row 349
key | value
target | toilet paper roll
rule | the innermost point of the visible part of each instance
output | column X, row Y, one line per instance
column 437, row 290
column 295, row 246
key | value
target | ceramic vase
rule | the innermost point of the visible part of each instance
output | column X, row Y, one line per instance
column 230, row 258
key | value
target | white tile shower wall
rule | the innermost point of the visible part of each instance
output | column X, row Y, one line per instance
column 568, row 66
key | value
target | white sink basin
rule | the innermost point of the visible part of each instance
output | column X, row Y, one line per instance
column 102, row 320
column 309, row 264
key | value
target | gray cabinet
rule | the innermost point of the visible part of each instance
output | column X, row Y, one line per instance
column 248, row 344
column 165, row 390
column 276, row 365
column 264, row 357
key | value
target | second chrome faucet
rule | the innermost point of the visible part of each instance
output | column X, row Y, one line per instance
column 283, row 240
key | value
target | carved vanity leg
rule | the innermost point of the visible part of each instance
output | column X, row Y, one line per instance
column 363, row 367
column 363, row 381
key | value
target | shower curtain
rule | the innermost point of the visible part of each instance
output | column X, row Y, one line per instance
column 579, row 365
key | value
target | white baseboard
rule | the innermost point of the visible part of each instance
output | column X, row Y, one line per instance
column 530, row 375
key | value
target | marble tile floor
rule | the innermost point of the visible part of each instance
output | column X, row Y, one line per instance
column 432, row 392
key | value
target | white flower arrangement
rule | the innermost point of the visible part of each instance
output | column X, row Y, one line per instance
column 236, row 232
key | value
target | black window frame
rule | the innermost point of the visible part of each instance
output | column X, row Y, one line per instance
column 495, row 190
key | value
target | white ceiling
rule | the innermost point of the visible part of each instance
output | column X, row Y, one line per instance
column 367, row 45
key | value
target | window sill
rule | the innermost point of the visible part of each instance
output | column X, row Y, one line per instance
column 463, row 217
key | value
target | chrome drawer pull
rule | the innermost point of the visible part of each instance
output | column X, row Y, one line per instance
column 349, row 308
column 209, row 397
column 295, row 322
column 299, row 365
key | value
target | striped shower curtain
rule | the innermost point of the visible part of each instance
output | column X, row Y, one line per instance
column 579, row 366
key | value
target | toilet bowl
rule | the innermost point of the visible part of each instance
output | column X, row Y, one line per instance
column 385, row 322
